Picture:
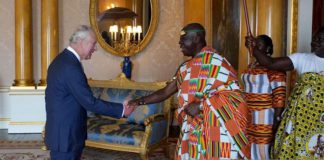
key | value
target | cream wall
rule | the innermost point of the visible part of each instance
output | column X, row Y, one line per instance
column 23, row 111
column 157, row 62
column 304, row 36
column 7, row 42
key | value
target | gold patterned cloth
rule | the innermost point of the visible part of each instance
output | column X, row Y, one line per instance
column 301, row 132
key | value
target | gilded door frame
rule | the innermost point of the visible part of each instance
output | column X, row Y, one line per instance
column 292, row 32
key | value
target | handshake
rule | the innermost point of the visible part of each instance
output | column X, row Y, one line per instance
column 130, row 106
column 191, row 109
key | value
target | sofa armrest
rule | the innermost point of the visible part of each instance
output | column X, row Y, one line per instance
column 156, row 129
column 155, row 118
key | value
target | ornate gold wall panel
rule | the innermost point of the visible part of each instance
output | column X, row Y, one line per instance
column 266, row 17
column 199, row 11
column 194, row 11
column 269, row 20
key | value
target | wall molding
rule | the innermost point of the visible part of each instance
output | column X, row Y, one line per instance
column 4, row 107
column 4, row 89
column 22, row 109
column 27, row 123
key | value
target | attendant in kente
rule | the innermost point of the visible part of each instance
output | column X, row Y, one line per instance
column 265, row 92
column 68, row 97
column 211, row 111
column 302, row 120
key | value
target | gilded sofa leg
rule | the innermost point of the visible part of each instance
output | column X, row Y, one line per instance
column 44, row 148
column 144, row 155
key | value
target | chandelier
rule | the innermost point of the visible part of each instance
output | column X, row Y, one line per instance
column 126, row 40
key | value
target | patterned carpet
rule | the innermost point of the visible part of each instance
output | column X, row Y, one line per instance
column 88, row 154
column 25, row 150
column 23, row 154
column 17, row 144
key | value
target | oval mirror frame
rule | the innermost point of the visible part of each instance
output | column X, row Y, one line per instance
column 146, row 39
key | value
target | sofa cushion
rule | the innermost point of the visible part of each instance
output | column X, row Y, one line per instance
column 120, row 95
column 110, row 130
column 144, row 111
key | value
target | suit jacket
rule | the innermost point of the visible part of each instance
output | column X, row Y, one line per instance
column 67, row 98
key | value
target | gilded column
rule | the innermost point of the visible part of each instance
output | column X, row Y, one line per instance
column 292, row 39
column 23, row 43
column 49, row 35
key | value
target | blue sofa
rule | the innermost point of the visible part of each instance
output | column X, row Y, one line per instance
column 146, row 129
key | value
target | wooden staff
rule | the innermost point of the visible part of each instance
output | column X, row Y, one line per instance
column 247, row 22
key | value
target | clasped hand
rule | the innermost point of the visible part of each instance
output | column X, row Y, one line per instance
column 191, row 109
column 130, row 106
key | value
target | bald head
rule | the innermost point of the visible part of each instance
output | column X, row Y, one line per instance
column 192, row 39
column 195, row 29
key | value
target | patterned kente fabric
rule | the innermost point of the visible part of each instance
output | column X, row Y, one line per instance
column 301, row 133
column 219, row 130
column 265, row 90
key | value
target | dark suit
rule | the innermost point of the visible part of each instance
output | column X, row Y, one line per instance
column 67, row 98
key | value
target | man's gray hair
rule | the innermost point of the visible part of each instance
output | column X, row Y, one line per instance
column 80, row 33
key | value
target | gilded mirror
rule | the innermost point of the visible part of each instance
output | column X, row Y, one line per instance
column 124, row 27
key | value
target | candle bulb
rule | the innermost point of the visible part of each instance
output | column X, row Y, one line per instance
column 139, row 31
column 121, row 33
column 134, row 33
column 128, row 38
column 129, row 31
column 111, row 32
column 115, row 30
